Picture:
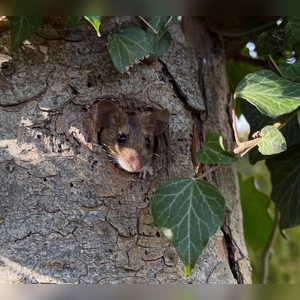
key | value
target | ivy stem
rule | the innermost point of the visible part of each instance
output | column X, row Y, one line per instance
column 236, row 135
column 266, row 253
column 275, row 65
column 243, row 147
column 168, row 22
column 148, row 25
column 208, row 171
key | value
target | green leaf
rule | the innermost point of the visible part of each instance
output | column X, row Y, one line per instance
column 285, row 178
column 161, row 23
column 292, row 29
column 96, row 22
column 291, row 71
column 236, row 71
column 257, row 222
column 161, row 41
column 74, row 21
column 272, row 142
column 175, row 20
column 127, row 46
column 158, row 23
column 188, row 211
column 271, row 94
column 258, row 121
column 214, row 152
column 22, row 27
column 267, row 43
column 161, row 46
column 187, row 270
column 298, row 117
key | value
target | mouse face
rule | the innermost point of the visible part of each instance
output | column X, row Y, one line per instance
column 128, row 138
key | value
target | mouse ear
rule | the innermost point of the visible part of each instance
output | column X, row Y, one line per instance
column 109, row 113
column 161, row 121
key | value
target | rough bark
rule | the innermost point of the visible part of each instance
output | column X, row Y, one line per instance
column 67, row 214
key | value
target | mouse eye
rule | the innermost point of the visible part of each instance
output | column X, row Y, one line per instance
column 121, row 139
column 147, row 142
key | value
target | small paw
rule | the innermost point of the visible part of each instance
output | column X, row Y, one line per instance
column 144, row 172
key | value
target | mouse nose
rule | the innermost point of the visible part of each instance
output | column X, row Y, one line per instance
column 134, row 163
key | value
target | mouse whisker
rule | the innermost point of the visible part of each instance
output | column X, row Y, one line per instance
column 103, row 144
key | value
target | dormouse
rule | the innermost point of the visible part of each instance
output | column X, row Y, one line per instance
column 128, row 137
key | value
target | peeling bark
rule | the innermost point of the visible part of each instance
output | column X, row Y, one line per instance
column 67, row 214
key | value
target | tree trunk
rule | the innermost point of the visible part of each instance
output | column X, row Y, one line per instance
column 68, row 214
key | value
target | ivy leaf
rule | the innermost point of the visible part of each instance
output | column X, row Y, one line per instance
column 188, row 211
column 257, row 222
column 285, row 178
column 162, row 40
column 74, row 21
column 161, row 46
column 258, row 121
column 175, row 20
column 291, row 71
column 214, row 152
column 22, row 27
column 267, row 44
column 96, row 22
column 272, row 142
column 236, row 71
column 159, row 23
column 292, row 29
column 272, row 95
column 127, row 46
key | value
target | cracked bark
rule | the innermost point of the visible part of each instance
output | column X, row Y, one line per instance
column 66, row 213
